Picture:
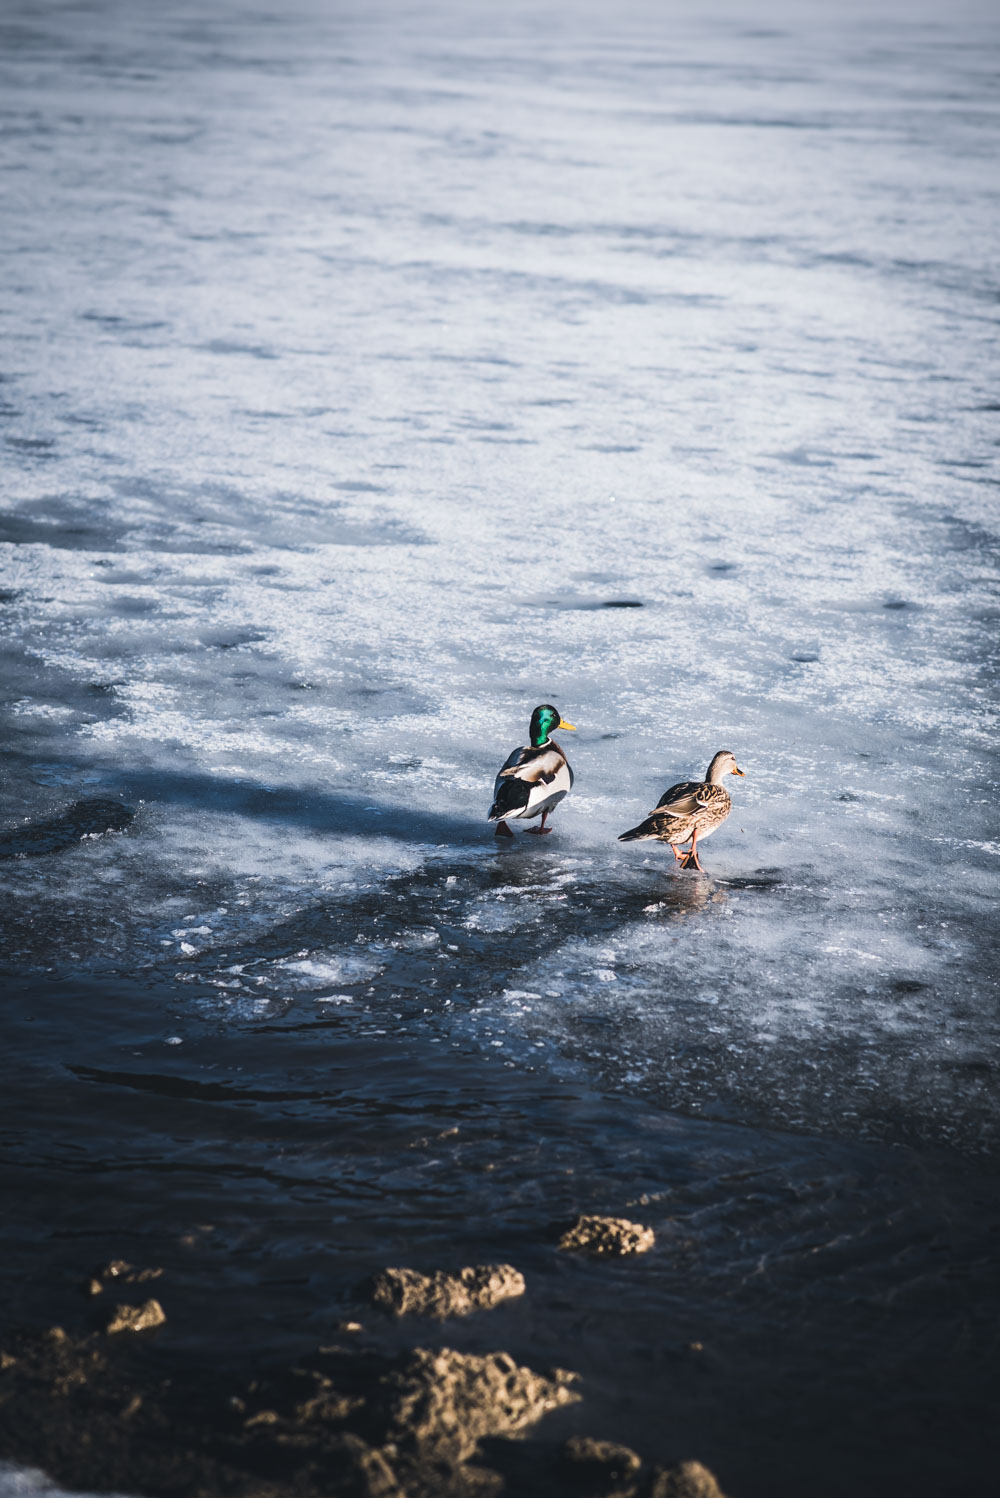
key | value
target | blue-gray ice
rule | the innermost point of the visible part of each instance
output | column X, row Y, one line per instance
column 353, row 359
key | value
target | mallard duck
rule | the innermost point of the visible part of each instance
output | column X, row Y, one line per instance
column 534, row 778
column 690, row 810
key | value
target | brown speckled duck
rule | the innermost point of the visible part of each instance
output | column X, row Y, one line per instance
column 688, row 811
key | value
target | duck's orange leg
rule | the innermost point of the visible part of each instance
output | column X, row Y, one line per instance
column 540, row 830
column 691, row 857
column 502, row 830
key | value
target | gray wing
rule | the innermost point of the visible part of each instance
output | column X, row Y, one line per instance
column 524, row 770
column 685, row 797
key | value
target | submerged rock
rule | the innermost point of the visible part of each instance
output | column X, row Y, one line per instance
column 600, row 1469
column 372, row 1473
column 127, row 1274
column 607, row 1237
column 685, row 1480
column 119, row 1272
column 89, row 818
column 406, row 1292
column 136, row 1318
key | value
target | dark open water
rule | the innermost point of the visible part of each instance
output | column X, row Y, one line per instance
column 353, row 362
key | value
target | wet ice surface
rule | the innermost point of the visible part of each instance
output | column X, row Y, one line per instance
column 357, row 368
column 696, row 991
column 20, row 1482
column 370, row 358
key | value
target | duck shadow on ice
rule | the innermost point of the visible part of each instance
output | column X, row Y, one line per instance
column 348, row 813
column 453, row 931
column 353, row 814
column 455, row 925
column 344, row 812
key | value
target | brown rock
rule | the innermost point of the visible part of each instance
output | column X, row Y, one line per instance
column 601, row 1468
column 124, row 1273
column 406, row 1292
column 444, row 1403
column 685, row 1480
column 370, row 1467
column 136, row 1318
column 262, row 1417
column 345, row 1423
column 608, row 1237
column 325, row 1401
column 117, row 1269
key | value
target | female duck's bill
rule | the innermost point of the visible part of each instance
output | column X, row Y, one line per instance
column 534, row 777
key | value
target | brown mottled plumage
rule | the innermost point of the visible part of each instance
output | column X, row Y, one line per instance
column 690, row 810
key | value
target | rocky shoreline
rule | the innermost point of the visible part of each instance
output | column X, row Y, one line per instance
column 112, row 1409
column 204, row 1220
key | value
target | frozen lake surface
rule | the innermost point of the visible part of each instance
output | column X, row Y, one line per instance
column 357, row 366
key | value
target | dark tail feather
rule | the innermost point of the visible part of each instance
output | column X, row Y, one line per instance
column 511, row 797
column 649, row 828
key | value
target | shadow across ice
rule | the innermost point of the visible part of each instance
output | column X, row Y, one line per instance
column 307, row 809
column 345, row 812
column 457, row 910
column 88, row 818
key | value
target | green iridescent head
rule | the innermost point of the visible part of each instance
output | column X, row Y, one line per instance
column 543, row 720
